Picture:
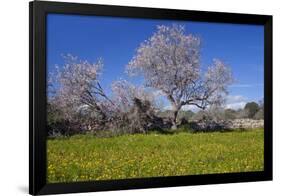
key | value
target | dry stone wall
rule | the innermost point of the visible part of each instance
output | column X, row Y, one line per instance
column 246, row 123
column 224, row 125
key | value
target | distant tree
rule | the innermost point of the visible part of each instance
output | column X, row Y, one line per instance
column 251, row 108
column 186, row 114
column 169, row 61
column 211, row 114
column 261, row 103
column 230, row 114
column 215, row 113
column 241, row 113
column 200, row 115
column 259, row 115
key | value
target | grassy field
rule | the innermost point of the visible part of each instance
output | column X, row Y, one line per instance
column 86, row 157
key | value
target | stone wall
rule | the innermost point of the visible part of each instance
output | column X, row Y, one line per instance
column 246, row 123
column 226, row 125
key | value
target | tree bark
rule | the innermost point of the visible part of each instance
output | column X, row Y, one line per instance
column 174, row 122
column 176, row 107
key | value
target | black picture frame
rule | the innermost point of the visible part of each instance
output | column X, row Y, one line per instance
column 37, row 100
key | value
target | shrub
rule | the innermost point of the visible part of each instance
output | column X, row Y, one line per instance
column 252, row 108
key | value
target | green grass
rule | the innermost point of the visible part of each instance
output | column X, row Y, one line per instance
column 86, row 157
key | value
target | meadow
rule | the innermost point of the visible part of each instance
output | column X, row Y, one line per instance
column 87, row 157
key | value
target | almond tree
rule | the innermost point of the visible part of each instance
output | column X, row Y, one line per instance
column 169, row 61
column 76, row 86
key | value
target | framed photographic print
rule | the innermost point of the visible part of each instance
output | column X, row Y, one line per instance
column 130, row 97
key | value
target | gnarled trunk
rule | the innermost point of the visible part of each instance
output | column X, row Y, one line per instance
column 174, row 122
column 176, row 109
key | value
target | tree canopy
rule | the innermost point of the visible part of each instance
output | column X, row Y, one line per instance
column 170, row 62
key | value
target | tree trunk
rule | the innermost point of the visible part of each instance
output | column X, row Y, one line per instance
column 176, row 107
column 174, row 122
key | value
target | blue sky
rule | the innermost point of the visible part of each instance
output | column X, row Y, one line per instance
column 116, row 39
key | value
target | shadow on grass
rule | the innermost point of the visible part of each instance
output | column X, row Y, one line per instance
column 188, row 128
